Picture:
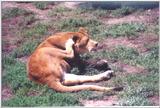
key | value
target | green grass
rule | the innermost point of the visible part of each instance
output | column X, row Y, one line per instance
column 131, row 56
column 150, row 59
column 26, row 49
column 74, row 22
column 126, row 29
column 136, row 96
column 28, row 20
column 101, row 13
column 50, row 99
column 153, row 29
column 16, row 76
column 42, row 5
column 13, row 12
column 119, row 53
column 38, row 31
column 138, row 88
column 94, row 26
column 59, row 11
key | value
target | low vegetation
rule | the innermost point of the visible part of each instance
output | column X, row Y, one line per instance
column 122, row 11
column 13, row 12
column 42, row 5
column 129, row 30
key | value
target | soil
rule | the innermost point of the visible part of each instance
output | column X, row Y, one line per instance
column 40, row 14
column 137, row 43
column 6, row 93
column 129, row 68
column 148, row 16
column 155, row 100
column 107, row 101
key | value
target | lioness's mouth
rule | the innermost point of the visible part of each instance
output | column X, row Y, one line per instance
column 93, row 49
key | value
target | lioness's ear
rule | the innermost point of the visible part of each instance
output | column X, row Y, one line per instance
column 83, row 30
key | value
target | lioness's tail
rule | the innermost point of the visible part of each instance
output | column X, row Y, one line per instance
column 62, row 88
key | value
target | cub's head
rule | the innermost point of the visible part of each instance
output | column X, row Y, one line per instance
column 83, row 43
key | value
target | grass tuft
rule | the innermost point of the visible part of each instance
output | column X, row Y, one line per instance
column 126, row 29
column 122, row 11
column 72, row 22
column 13, row 12
column 38, row 31
column 25, row 49
column 42, row 5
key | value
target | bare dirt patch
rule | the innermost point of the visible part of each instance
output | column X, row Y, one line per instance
column 6, row 93
column 148, row 16
column 107, row 101
column 129, row 68
column 137, row 43
column 8, row 4
column 8, row 36
column 155, row 100
column 40, row 14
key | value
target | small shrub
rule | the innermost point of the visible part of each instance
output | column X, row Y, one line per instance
column 59, row 11
column 122, row 11
column 101, row 13
column 41, row 5
column 23, row 23
column 29, row 19
column 80, row 11
column 156, row 30
column 14, row 12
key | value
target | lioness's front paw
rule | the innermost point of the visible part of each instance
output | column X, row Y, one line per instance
column 69, row 45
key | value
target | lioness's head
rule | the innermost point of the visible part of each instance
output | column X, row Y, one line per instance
column 83, row 43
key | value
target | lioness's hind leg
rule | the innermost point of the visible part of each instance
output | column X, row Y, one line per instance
column 72, row 79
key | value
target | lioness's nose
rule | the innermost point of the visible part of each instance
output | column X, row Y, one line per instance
column 96, row 44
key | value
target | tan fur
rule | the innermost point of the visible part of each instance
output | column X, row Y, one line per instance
column 48, row 65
